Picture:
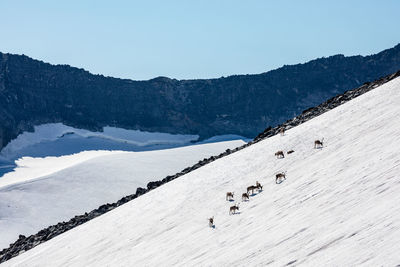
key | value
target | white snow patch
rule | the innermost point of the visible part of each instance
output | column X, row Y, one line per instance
column 225, row 137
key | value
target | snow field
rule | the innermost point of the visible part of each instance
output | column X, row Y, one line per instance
column 337, row 207
column 30, row 200
column 53, row 132
column 29, row 168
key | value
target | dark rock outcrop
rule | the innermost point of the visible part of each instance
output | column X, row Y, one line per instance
column 33, row 92
column 24, row 243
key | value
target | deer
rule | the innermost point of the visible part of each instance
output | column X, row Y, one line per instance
column 211, row 221
column 279, row 154
column 279, row 176
column 245, row 196
column 319, row 143
column 259, row 186
column 251, row 188
column 282, row 131
column 229, row 195
column 233, row 209
column 290, row 151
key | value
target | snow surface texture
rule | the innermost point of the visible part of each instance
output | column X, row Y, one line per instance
column 339, row 205
column 30, row 201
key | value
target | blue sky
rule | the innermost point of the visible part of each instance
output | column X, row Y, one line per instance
column 194, row 39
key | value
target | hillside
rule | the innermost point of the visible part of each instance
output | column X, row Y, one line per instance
column 338, row 205
column 33, row 93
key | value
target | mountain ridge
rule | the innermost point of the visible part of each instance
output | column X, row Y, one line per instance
column 339, row 55
column 33, row 92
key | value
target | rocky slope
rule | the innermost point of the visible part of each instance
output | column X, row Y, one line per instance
column 33, row 92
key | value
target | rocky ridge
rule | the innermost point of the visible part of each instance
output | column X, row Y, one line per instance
column 25, row 243
column 33, row 92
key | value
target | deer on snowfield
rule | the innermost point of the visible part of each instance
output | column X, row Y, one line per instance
column 233, row 209
column 245, row 196
column 229, row 195
column 211, row 221
column 282, row 131
column 279, row 154
column 259, row 186
column 280, row 176
column 251, row 189
column 319, row 143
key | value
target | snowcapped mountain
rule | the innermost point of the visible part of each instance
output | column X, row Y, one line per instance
column 338, row 205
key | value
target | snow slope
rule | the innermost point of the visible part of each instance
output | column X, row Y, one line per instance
column 45, row 191
column 339, row 205
column 29, row 168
